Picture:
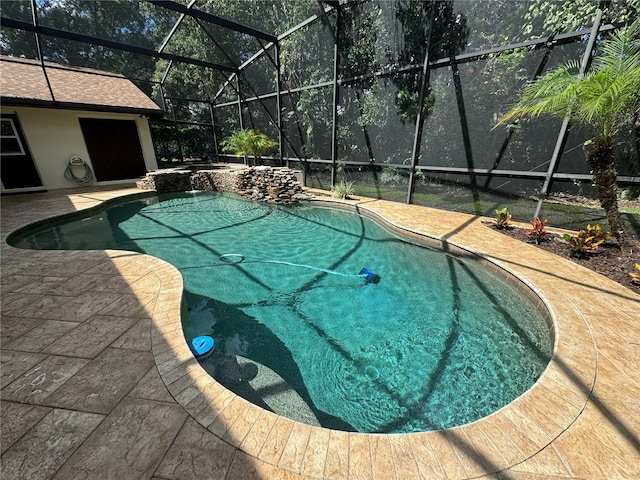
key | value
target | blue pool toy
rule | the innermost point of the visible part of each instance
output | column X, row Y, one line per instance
column 369, row 276
column 201, row 346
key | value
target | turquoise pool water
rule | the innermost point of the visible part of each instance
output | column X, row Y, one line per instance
column 439, row 341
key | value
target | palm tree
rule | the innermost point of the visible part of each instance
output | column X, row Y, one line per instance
column 604, row 99
column 248, row 142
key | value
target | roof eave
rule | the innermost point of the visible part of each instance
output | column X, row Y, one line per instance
column 32, row 102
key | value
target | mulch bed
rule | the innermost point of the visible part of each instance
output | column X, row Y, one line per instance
column 609, row 260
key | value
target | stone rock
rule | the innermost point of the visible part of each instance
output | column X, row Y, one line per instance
column 262, row 183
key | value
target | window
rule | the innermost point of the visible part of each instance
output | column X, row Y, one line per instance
column 10, row 143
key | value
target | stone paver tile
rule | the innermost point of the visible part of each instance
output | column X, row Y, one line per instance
column 382, row 457
column 85, row 306
column 245, row 467
column 427, row 461
column 220, row 398
column 489, row 455
column 200, row 401
column 260, row 429
column 16, row 419
column 36, row 306
column 535, row 432
column 293, row 453
column 102, row 383
column 91, row 337
column 275, row 442
column 62, row 285
column 137, row 337
column 117, row 283
column 221, row 424
column 238, row 430
column 501, row 440
column 13, row 282
column 403, row 459
column 129, row 443
column 130, row 305
column 610, row 451
column 14, row 364
column 546, row 460
column 316, row 452
column 43, row 379
column 40, row 337
column 337, row 462
column 196, row 453
column 152, row 387
column 360, row 467
column 148, row 284
column 13, row 327
column 614, row 383
column 449, row 460
column 58, row 434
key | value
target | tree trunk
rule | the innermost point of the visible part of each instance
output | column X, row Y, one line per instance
column 603, row 169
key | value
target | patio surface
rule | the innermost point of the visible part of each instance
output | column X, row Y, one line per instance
column 98, row 382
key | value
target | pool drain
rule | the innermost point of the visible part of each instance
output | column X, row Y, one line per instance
column 371, row 372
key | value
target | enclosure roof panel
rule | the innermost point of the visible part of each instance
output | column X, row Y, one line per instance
column 24, row 82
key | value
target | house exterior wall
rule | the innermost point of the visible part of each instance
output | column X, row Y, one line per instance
column 53, row 136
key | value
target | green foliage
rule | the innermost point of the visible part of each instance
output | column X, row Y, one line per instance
column 604, row 99
column 596, row 232
column 586, row 241
column 121, row 21
column 538, row 230
column 248, row 143
column 503, row 218
column 343, row 190
column 547, row 17
column 391, row 175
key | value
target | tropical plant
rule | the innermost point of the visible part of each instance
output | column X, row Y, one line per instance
column 503, row 218
column 582, row 243
column 248, row 143
column 538, row 230
column 635, row 276
column 605, row 99
column 343, row 190
column 596, row 232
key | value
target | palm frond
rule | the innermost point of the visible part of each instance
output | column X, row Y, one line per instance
column 605, row 98
column 622, row 50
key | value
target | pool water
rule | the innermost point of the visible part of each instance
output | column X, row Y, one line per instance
column 439, row 341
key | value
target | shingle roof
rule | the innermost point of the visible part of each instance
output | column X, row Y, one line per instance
column 22, row 81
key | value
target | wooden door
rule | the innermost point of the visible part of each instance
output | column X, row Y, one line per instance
column 16, row 164
column 114, row 148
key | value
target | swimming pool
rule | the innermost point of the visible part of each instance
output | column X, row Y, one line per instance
column 416, row 351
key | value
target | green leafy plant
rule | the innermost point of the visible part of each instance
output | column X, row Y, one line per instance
column 343, row 190
column 635, row 276
column 596, row 232
column 538, row 230
column 582, row 243
column 606, row 98
column 247, row 143
column 503, row 218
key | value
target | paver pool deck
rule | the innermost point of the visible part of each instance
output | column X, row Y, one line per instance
column 98, row 382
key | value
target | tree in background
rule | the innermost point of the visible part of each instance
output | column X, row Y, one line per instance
column 604, row 99
column 248, row 143
column 118, row 20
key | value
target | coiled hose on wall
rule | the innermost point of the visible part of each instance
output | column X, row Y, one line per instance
column 76, row 162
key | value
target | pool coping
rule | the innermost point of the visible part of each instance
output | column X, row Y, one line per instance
column 507, row 438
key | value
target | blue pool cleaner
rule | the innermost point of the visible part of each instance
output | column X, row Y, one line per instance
column 369, row 276
column 201, row 347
